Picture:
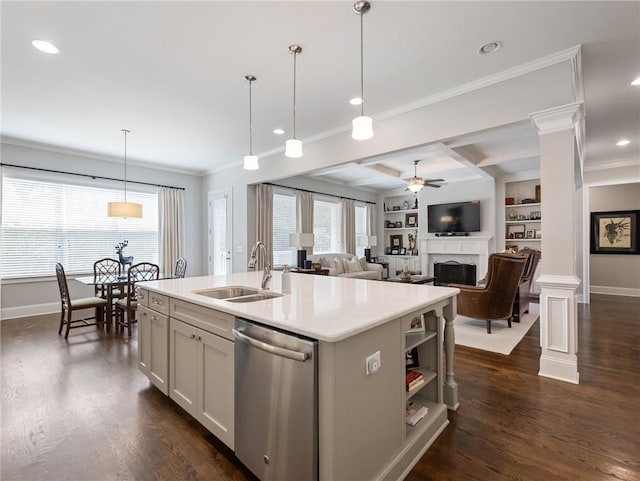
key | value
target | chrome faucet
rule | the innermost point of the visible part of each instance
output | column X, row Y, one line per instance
column 266, row 274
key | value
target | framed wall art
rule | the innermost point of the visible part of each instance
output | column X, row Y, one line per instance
column 615, row 232
column 395, row 241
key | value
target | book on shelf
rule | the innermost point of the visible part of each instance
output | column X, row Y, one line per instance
column 413, row 378
column 414, row 412
column 416, row 385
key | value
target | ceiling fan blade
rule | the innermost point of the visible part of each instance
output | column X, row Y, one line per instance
column 434, row 180
column 435, row 186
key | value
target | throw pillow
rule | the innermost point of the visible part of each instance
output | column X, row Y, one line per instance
column 352, row 265
column 324, row 262
column 336, row 265
column 363, row 264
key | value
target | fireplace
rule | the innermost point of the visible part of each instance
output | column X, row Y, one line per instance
column 465, row 250
column 452, row 272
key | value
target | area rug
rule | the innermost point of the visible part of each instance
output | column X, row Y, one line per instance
column 473, row 332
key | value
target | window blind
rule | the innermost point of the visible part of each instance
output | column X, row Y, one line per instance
column 47, row 222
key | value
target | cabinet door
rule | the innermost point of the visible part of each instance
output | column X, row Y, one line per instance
column 144, row 339
column 153, row 347
column 216, row 386
column 393, row 266
column 158, row 358
column 414, row 264
column 183, row 355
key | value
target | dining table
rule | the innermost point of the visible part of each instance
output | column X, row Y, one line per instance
column 111, row 283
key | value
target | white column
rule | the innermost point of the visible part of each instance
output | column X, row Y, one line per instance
column 558, row 280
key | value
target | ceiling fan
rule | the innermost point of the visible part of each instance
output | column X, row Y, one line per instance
column 416, row 183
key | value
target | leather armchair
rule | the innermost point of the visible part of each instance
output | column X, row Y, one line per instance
column 494, row 300
column 522, row 299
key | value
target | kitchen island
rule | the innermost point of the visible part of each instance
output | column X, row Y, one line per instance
column 186, row 349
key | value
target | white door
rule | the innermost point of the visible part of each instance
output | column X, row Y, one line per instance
column 220, row 241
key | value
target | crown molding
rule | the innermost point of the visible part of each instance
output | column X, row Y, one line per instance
column 612, row 164
column 556, row 119
column 572, row 54
column 29, row 144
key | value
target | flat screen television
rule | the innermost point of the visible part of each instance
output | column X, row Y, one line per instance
column 454, row 218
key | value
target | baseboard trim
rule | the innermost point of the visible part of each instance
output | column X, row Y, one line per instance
column 615, row 291
column 27, row 311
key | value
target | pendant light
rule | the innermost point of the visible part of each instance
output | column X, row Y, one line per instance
column 250, row 161
column 363, row 125
column 293, row 147
column 125, row 209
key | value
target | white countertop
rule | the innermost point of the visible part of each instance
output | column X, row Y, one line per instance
column 321, row 307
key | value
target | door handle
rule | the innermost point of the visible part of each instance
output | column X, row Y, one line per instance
column 263, row 346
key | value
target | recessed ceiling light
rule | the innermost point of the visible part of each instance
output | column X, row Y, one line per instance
column 636, row 82
column 45, row 47
column 355, row 101
column 490, row 47
column 623, row 142
column 278, row 131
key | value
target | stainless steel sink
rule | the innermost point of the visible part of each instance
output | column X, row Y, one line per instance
column 255, row 297
column 227, row 292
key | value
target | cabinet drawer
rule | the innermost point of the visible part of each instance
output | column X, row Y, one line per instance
column 159, row 303
column 143, row 297
column 210, row 320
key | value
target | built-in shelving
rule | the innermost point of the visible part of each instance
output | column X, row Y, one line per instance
column 425, row 348
column 523, row 220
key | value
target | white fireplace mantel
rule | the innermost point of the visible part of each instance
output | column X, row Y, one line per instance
column 472, row 250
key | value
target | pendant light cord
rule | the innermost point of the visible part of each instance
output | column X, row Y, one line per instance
column 250, row 121
column 362, row 64
column 125, row 163
column 295, row 55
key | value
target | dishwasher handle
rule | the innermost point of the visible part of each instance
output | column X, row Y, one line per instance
column 279, row 351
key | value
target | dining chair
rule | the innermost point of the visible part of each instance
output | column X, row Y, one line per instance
column 107, row 267
column 127, row 306
column 181, row 268
column 69, row 305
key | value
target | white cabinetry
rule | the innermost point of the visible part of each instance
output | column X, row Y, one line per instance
column 396, row 264
column 202, row 371
column 153, row 341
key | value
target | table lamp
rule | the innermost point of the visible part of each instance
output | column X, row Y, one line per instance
column 301, row 240
column 368, row 241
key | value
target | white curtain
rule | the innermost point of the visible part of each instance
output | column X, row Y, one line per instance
column 264, row 222
column 304, row 215
column 171, row 227
column 372, row 226
column 349, row 226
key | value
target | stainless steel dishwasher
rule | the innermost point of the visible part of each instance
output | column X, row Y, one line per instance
column 276, row 412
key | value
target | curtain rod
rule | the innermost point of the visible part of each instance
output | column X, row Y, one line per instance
column 316, row 192
column 2, row 164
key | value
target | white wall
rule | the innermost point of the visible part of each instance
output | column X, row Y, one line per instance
column 42, row 295
column 483, row 190
column 611, row 273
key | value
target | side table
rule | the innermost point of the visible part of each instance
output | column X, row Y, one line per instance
column 385, row 268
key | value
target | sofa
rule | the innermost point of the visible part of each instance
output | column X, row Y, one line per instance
column 347, row 265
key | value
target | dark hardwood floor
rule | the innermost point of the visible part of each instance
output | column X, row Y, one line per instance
column 81, row 410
